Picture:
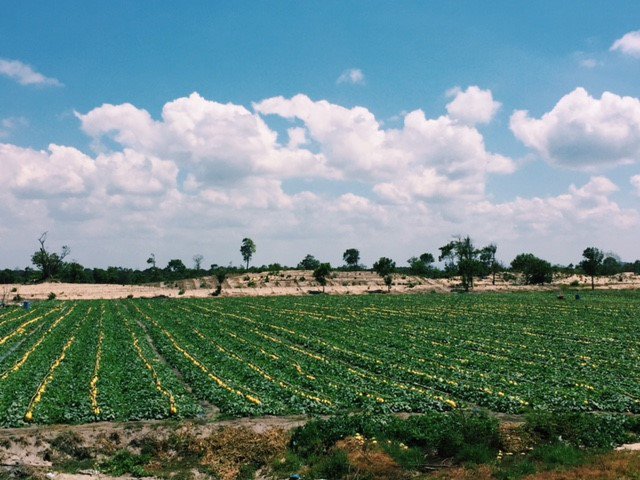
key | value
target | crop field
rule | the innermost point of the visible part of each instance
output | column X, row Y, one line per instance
column 83, row 361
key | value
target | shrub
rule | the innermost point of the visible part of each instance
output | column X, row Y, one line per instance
column 51, row 296
column 251, row 284
column 181, row 291
column 580, row 429
column 17, row 298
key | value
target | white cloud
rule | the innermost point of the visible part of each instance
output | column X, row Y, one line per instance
column 472, row 106
column 635, row 181
column 628, row 44
column 580, row 210
column 584, row 132
column 25, row 74
column 204, row 175
column 589, row 63
column 210, row 139
column 353, row 76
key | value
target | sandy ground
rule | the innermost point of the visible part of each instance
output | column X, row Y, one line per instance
column 295, row 282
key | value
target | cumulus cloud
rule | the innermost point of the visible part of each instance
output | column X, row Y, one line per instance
column 583, row 132
column 635, row 181
column 472, row 106
column 354, row 76
column 588, row 206
column 628, row 44
column 209, row 172
column 210, row 139
column 25, row 75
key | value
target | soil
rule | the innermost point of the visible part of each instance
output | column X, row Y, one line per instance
column 300, row 282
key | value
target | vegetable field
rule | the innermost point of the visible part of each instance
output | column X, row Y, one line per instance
column 83, row 361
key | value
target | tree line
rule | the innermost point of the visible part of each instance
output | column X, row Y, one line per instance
column 459, row 257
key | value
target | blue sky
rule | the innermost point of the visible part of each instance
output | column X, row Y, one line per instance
column 364, row 171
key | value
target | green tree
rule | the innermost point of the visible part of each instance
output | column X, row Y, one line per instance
column 309, row 263
column 351, row 257
column 591, row 264
column 461, row 255
column 422, row 264
column 535, row 270
column 385, row 268
column 488, row 259
column 321, row 273
column 611, row 265
column 247, row 249
column 50, row 264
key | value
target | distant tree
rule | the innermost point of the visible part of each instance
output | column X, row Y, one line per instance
column 351, row 257
column 422, row 264
column 385, row 268
column 274, row 267
column 488, row 259
column 49, row 263
column 535, row 270
column 247, row 249
column 197, row 261
column 221, row 275
column 73, row 272
column 309, row 263
column 592, row 261
column 176, row 266
column 461, row 255
column 152, row 260
column 611, row 265
column 321, row 273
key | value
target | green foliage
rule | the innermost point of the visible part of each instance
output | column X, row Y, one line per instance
column 580, row 429
column 334, row 465
column 51, row 296
column 50, row 264
column 321, row 273
column 462, row 257
column 125, row 462
column 559, row 455
column 247, row 249
column 351, row 257
column 535, row 270
column 330, row 355
column 309, row 263
column 421, row 265
column 593, row 258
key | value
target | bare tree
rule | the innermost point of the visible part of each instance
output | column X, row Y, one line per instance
column 197, row 261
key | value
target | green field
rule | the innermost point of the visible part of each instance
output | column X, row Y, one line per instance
column 70, row 362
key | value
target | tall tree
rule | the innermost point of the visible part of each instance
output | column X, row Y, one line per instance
column 247, row 249
column 321, row 273
column 385, row 268
column 488, row 258
column 351, row 257
column 49, row 263
column 592, row 260
column 460, row 254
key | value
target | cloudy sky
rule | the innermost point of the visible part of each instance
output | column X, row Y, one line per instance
column 179, row 128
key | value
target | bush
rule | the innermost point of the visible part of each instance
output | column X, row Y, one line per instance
column 580, row 429
column 51, row 296
column 17, row 298
column 181, row 291
column 466, row 437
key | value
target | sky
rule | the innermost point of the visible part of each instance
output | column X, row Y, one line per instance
column 179, row 128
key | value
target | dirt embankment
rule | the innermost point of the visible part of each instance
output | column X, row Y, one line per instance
column 297, row 282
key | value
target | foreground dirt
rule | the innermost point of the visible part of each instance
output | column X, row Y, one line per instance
column 41, row 451
column 297, row 282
